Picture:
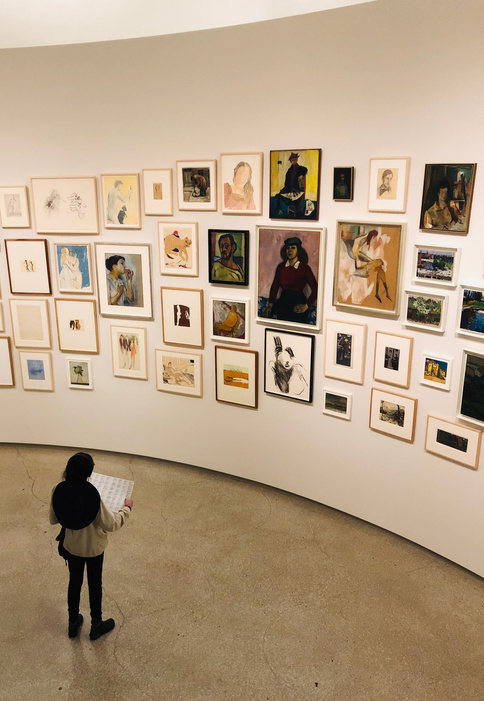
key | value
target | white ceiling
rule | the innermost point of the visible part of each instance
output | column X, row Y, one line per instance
column 49, row 22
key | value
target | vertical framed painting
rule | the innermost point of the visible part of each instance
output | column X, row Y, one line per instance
column 65, row 205
column 471, row 390
column 393, row 359
column 453, row 441
column 178, row 247
column 28, row 266
column 77, row 325
column 73, row 268
column 79, row 373
column 343, row 179
column 393, row 414
column 128, row 348
column 182, row 316
column 14, row 207
column 6, row 365
column 294, row 184
column 436, row 265
column 36, row 370
column 158, row 191
column 435, row 371
column 236, row 376
column 337, row 404
column 228, row 257
column 388, row 184
column 2, row 320
column 471, row 312
column 120, row 196
column 288, row 365
column 367, row 270
column 290, row 276
column 241, row 183
column 425, row 312
column 344, row 353
column 447, row 197
column 229, row 319
column 197, row 185
column 124, row 280
column 30, row 323
column 179, row 373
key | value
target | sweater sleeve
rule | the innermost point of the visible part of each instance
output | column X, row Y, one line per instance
column 111, row 520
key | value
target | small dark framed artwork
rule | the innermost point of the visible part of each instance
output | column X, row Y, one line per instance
column 228, row 257
column 343, row 179
column 288, row 365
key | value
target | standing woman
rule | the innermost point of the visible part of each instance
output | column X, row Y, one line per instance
column 77, row 505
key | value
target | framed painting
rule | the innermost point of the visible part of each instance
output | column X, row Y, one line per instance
column 388, row 184
column 6, row 365
column 367, row 271
column 343, row 179
column 30, row 323
column 228, row 257
column 128, row 347
column 179, row 373
column 241, row 183
column 36, row 368
column 65, row 205
column 436, row 265
column 236, row 376
column 230, row 319
column 14, row 207
column 182, row 316
column 197, row 185
column 393, row 359
column 453, row 441
column 124, row 280
column 120, row 196
column 79, row 373
column 294, row 184
column 344, row 354
column 28, row 266
column 73, row 268
column 447, row 197
column 158, row 191
column 2, row 320
column 471, row 390
column 337, row 404
column 288, row 365
column 77, row 325
column 290, row 276
column 471, row 312
column 425, row 312
column 435, row 371
column 393, row 414
column 178, row 247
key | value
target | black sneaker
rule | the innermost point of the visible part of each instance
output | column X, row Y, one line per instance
column 74, row 627
column 100, row 628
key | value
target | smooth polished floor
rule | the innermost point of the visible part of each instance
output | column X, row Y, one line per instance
column 227, row 590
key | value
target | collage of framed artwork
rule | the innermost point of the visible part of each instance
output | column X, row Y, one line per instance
column 288, row 365
column 388, row 183
column 182, row 316
column 228, row 257
column 179, row 373
column 30, row 323
column 129, row 354
column 65, row 205
column 393, row 359
column 197, row 185
column 229, row 319
column 241, row 177
column 77, row 325
column 453, row 441
column 236, row 376
column 120, row 197
column 6, row 363
column 28, row 266
column 73, row 268
column 337, row 404
column 14, row 207
column 393, row 414
column 124, row 280
column 158, row 191
column 178, row 248
column 344, row 351
column 36, row 368
column 79, row 373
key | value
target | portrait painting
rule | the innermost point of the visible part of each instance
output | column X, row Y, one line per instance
column 28, row 266
column 230, row 320
column 471, row 312
column 36, row 371
column 73, row 268
column 124, row 281
column 121, row 201
column 288, row 365
column 197, row 185
column 228, row 257
column 294, row 184
column 337, row 404
column 388, row 183
column 179, row 373
column 158, row 191
column 79, row 375
column 471, row 395
column 236, row 376
column 14, row 207
column 436, row 265
column 241, row 183
column 343, row 179
column 447, row 197
column 393, row 359
column 128, row 347
column 344, row 342
column 425, row 312
column 435, row 371
column 453, row 441
column 178, row 246
column 65, row 205
column 393, row 414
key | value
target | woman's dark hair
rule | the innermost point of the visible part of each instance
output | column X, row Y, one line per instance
column 302, row 254
column 79, row 467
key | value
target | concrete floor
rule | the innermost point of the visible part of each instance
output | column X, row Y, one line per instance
column 226, row 590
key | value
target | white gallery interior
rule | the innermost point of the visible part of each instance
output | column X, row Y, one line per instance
column 381, row 79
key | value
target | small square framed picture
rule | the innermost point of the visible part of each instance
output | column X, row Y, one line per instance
column 6, row 364
column 77, row 325
column 179, row 373
column 241, row 176
column 182, row 316
column 65, row 205
column 178, row 247
column 337, row 404
column 453, row 442
column 120, row 196
column 79, row 373
column 425, row 312
column 435, row 371
column 36, row 370
column 471, row 390
column 343, row 179
column 393, row 359
column 345, row 345
column 470, row 320
column 28, row 266
column 393, row 414
column 30, row 323
column 128, row 348
column 228, row 257
column 73, row 268
column 158, row 191
column 288, row 365
column 447, row 197
column 14, row 207
column 197, row 185
column 388, row 184
column 236, row 376
column 436, row 265
column 230, row 319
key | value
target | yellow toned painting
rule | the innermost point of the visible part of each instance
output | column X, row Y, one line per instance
column 121, row 203
column 295, row 179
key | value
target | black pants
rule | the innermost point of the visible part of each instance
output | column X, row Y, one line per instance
column 94, row 581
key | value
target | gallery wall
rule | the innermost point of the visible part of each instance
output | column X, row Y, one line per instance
column 384, row 79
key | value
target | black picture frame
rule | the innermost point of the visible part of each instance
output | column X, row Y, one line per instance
column 343, row 182
column 235, row 271
column 288, row 365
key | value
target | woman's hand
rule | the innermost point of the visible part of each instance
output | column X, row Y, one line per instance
column 300, row 308
column 128, row 502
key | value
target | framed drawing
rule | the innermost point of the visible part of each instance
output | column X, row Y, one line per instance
column 290, row 276
column 14, row 207
column 471, row 312
column 343, row 179
column 230, row 319
column 435, row 371
column 178, row 246
column 425, row 312
column 128, row 347
column 236, row 376
column 182, row 316
column 2, row 320
column 77, row 325
column 158, row 191
column 36, row 368
column 79, row 373
column 453, row 441
column 337, row 404
column 65, row 205
column 288, row 365
column 30, row 323
column 6, row 365
column 28, row 266
column 124, row 280
column 367, row 270
column 197, row 185
column 393, row 414
column 120, row 198
column 471, row 391
column 228, row 257
column 388, row 184
column 344, row 353
column 436, row 265
column 180, row 373
column 73, row 268
column 393, row 359
column 447, row 197
column 241, row 183
column 294, row 184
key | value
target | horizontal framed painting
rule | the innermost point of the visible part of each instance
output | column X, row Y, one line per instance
column 179, row 373
column 367, row 270
column 197, row 185
column 471, row 390
column 182, row 316
column 124, row 280
column 453, row 441
column 435, row 371
column 30, row 323
column 388, row 182
column 425, row 312
column 2, row 320
column 343, row 179
column 241, row 176
column 236, row 376
column 393, row 359
column 344, row 351
column 471, row 312
column 28, row 266
column 178, row 246
column 65, row 205
column 230, row 319
column 36, row 368
column 337, row 404
column 228, row 257
column 128, row 348
column 288, row 365
column 436, row 265
column 14, row 207
column 447, row 197
column 6, row 365
column 158, row 191
column 294, row 184
column 393, row 414
column 73, row 268
column 79, row 373
column 120, row 197
column 77, row 325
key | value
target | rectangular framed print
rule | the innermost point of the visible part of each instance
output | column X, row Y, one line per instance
column 128, row 348
column 236, row 376
column 65, row 205
column 453, row 441
column 14, row 207
column 120, row 196
column 179, row 373
column 344, row 356
column 393, row 359
column 77, row 325
column 388, row 184
column 182, row 316
column 73, row 268
column 241, row 183
column 337, row 404
column 435, row 371
column 28, row 266
column 6, row 364
column 447, row 197
column 295, row 184
column 36, row 370
column 158, row 191
column 288, row 365
column 229, row 320
column 343, row 179
column 197, row 185
column 228, row 257
column 79, row 373
column 393, row 414
column 471, row 391
column 436, row 265
column 124, row 280
column 178, row 246
column 471, row 312
column 425, row 312
column 30, row 323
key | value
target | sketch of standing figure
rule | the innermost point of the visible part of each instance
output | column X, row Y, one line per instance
column 116, row 200
column 289, row 375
